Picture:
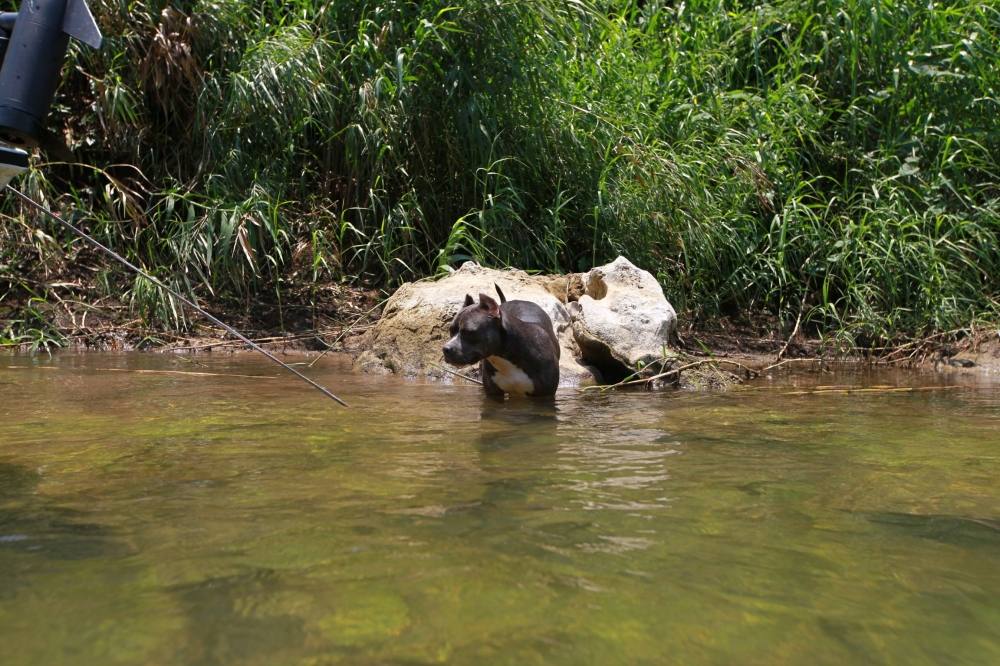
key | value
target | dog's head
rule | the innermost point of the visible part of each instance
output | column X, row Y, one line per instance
column 475, row 332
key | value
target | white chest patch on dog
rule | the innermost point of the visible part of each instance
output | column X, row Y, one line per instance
column 510, row 378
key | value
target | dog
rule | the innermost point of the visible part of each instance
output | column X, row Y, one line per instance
column 514, row 342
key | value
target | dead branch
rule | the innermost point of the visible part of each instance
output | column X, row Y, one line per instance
column 872, row 389
column 790, row 360
column 457, row 374
column 750, row 372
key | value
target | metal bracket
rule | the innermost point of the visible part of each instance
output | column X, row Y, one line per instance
column 13, row 162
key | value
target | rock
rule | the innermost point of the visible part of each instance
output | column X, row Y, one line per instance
column 407, row 339
column 623, row 321
column 567, row 288
column 609, row 321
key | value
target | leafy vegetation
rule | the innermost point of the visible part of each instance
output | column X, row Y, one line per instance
column 836, row 161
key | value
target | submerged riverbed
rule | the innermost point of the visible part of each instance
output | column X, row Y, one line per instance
column 156, row 518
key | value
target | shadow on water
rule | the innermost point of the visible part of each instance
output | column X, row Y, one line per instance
column 226, row 626
column 956, row 530
column 32, row 523
column 514, row 443
column 505, row 425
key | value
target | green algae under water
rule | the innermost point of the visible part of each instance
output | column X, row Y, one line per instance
column 151, row 518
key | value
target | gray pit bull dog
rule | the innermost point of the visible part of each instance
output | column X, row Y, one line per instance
column 514, row 342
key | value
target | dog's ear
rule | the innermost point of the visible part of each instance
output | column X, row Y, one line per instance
column 503, row 299
column 488, row 304
column 468, row 301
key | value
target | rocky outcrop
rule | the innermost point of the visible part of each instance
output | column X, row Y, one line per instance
column 622, row 322
column 609, row 321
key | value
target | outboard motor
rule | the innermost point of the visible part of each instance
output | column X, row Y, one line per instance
column 33, row 44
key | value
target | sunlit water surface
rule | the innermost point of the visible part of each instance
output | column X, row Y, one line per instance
column 150, row 518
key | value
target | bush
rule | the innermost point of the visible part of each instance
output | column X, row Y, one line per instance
column 833, row 159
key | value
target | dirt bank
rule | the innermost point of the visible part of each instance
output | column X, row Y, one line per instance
column 335, row 318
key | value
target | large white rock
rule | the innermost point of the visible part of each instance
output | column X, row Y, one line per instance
column 623, row 317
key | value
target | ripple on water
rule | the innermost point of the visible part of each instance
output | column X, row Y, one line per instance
column 149, row 518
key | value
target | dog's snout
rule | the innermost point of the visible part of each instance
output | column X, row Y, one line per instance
column 449, row 349
column 456, row 353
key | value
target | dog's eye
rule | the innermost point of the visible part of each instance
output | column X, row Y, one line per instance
column 471, row 336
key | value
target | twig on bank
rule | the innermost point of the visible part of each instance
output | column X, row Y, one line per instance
column 795, row 330
column 89, row 332
column 914, row 347
column 347, row 330
column 750, row 372
column 187, row 372
column 230, row 343
column 790, row 360
column 457, row 374
column 893, row 361
column 873, row 389
column 152, row 372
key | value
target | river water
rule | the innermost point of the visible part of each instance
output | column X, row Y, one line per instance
column 168, row 518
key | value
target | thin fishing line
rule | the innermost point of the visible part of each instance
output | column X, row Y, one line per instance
column 96, row 243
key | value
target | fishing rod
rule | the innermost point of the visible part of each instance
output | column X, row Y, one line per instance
column 117, row 257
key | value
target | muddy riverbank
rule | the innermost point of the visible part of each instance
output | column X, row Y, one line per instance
column 339, row 321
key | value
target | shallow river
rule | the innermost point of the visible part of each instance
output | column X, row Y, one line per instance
column 154, row 518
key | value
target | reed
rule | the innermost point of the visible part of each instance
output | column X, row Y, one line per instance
column 831, row 162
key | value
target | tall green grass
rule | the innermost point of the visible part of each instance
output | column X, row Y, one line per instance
column 832, row 160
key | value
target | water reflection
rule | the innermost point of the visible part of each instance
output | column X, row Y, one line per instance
column 958, row 530
column 211, row 520
column 233, row 619
column 39, row 526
